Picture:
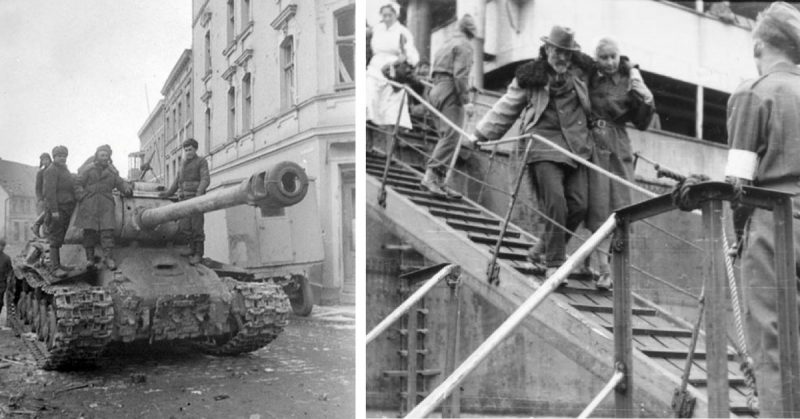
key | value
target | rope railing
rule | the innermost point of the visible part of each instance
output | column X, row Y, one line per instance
column 440, row 393
column 409, row 303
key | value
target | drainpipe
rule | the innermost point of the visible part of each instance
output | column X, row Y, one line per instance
column 480, row 22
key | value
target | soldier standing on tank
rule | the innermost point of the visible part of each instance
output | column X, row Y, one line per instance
column 44, row 162
column 5, row 270
column 192, row 180
column 96, row 217
column 58, row 192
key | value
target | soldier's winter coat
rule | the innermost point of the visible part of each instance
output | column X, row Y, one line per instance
column 96, row 203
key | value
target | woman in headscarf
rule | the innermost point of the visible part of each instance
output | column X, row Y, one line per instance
column 618, row 95
column 391, row 42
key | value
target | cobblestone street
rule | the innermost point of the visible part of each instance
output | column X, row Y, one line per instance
column 307, row 372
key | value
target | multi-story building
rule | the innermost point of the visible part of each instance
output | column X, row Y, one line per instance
column 178, row 116
column 17, row 201
column 151, row 147
column 274, row 81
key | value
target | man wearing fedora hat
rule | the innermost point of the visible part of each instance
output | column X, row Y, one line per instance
column 452, row 64
column 763, row 128
column 551, row 95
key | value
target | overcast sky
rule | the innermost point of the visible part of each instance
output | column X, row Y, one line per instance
column 74, row 72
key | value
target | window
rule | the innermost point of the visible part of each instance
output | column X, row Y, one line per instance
column 17, row 231
column 208, row 52
column 231, row 21
column 188, row 106
column 245, row 13
column 287, row 73
column 676, row 105
column 208, row 129
column 247, row 103
column 345, row 46
column 180, row 114
column 231, row 113
column 174, row 121
column 167, row 126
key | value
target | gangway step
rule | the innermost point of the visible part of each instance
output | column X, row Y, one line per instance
column 395, row 182
column 484, row 239
column 678, row 353
column 464, row 217
column 732, row 381
column 404, row 176
column 469, row 227
column 423, row 394
column 637, row 311
column 404, row 373
column 425, row 199
column 660, row 332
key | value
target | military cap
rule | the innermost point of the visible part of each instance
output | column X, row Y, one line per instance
column 467, row 24
column 779, row 26
column 191, row 142
column 60, row 150
column 104, row 147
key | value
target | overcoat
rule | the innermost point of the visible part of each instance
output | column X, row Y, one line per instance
column 96, row 203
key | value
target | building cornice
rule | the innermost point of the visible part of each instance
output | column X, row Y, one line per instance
column 206, row 96
column 150, row 118
column 184, row 60
column 229, row 72
column 241, row 61
column 284, row 16
column 199, row 13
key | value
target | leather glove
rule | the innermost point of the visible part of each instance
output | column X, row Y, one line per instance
column 680, row 195
column 55, row 216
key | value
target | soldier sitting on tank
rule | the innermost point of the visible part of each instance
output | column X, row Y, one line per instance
column 93, row 187
column 58, row 192
column 192, row 180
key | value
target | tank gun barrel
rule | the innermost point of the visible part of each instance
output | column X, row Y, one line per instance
column 281, row 185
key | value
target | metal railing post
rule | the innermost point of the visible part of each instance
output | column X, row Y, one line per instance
column 390, row 151
column 452, row 406
column 715, row 321
column 623, row 312
column 440, row 393
column 787, row 307
column 492, row 269
column 411, row 357
column 409, row 302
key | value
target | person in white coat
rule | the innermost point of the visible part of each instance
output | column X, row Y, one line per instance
column 391, row 42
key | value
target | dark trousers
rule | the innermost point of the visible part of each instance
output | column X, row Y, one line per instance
column 3, row 292
column 443, row 96
column 760, row 289
column 57, row 229
column 191, row 229
column 562, row 192
column 91, row 238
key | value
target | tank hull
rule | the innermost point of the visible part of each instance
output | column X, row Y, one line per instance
column 153, row 296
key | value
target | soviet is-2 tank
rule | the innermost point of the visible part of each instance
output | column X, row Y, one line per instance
column 154, row 295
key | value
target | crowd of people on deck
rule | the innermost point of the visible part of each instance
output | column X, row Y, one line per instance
column 583, row 104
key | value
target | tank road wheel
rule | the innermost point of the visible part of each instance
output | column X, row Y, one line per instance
column 22, row 306
column 41, row 327
column 302, row 298
column 33, row 312
column 52, row 327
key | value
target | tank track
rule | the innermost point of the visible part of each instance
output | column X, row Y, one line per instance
column 260, row 312
column 73, row 324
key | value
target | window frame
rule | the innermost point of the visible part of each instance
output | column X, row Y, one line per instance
column 288, row 74
column 343, row 40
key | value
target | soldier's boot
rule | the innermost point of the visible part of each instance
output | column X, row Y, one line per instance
column 89, row 256
column 55, row 262
column 108, row 258
column 197, row 256
column 432, row 183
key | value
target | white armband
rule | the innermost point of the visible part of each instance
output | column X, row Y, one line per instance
column 741, row 164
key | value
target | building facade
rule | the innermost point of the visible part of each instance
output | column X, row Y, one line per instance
column 151, row 147
column 178, row 116
column 17, row 201
column 273, row 81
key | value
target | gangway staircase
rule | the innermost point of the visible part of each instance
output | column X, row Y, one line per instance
column 577, row 320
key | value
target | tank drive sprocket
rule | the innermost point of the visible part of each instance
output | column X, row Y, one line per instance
column 259, row 312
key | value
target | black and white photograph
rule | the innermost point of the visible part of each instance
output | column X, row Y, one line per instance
column 581, row 208
column 177, row 196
